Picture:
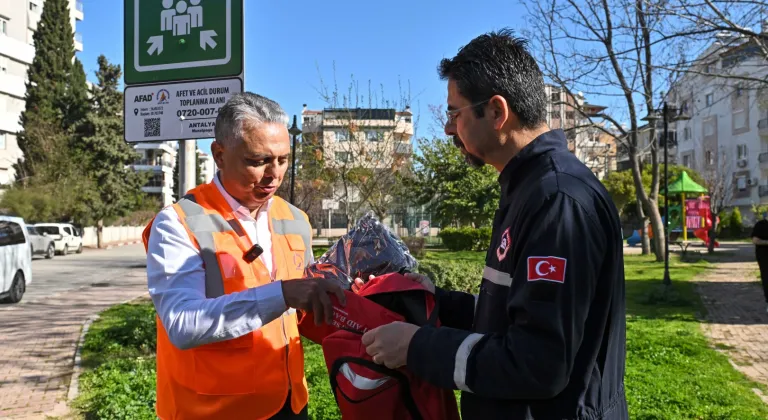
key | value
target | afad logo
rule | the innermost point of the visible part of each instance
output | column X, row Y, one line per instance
column 144, row 98
column 162, row 97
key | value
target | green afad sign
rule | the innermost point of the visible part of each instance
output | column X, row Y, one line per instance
column 172, row 40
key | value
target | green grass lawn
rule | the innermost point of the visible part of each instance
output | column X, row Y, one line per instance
column 672, row 372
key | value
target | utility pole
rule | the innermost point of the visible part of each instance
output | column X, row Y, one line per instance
column 188, row 169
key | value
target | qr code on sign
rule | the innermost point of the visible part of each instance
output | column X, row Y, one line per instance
column 152, row 127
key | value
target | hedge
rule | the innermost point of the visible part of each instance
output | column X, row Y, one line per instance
column 466, row 239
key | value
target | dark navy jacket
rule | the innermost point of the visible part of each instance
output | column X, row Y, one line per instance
column 545, row 338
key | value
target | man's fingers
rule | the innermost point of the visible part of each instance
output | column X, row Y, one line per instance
column 327, row 306
column 317, row 311
column 369, row 337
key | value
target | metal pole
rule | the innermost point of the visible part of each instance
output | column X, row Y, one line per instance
column 667, row 281
column 294, row 129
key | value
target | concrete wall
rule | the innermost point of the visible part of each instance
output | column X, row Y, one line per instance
column 112, row 234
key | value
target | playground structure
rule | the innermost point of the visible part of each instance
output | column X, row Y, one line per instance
column 695, row 212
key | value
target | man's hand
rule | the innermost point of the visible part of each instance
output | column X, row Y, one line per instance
column 388, row 344
column 312, row 295
column 418, row 278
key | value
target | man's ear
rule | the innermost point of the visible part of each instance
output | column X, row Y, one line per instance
column 499, row 111
column 218, row 153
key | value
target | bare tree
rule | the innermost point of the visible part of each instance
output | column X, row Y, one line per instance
column 719, row 181
column 366, row 146
column 605, row 48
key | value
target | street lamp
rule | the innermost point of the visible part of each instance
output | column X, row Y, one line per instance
column 294, row 131
column 673, row 114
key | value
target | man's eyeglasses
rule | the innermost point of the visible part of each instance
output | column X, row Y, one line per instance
column 451, row 114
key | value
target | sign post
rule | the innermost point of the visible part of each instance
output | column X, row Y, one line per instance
column 183, row 61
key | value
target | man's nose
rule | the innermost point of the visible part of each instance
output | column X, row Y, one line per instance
column 450, row 128
column 271, row 169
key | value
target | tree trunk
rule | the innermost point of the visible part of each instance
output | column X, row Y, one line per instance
column 645, row 243
column 712, row 235
column 99, row 233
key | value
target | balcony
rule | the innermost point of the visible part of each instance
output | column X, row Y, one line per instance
column 403, row 149
column 78, row 41
column 762, row 191
column 17, row 50
column 152, row 165
column 78, row 12
column 762, row 127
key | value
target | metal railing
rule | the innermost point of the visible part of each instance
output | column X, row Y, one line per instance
column 152, row 162
column 403, row 148
column 78, row 37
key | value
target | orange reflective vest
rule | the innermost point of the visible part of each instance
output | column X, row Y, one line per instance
column 247, row 377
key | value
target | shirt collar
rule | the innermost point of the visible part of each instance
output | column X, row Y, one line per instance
column 233, row 203
column 545, row 143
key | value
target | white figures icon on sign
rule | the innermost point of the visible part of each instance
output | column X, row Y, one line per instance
column 180, row 18
column 196, row 13
column 181, row 22
column 166, row 16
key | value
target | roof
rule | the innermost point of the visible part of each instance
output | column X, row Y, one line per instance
column 364, row 113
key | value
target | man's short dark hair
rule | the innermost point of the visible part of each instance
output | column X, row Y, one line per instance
column 497, row 63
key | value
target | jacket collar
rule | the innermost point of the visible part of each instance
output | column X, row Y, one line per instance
column 513, row 172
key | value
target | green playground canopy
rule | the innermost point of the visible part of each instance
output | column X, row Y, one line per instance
column 685, row 185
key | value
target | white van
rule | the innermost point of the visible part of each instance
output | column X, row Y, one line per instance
column 15, row 259
column 66, row 238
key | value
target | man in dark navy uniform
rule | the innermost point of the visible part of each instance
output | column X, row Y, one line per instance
column 545, row 337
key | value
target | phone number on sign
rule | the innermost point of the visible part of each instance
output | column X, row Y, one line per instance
column 202, row 112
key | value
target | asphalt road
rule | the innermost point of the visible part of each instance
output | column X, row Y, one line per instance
column 92, row 268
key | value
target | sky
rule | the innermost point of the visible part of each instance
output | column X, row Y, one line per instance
column 290, row 45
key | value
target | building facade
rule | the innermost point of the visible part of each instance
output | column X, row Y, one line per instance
column 18, row 23
column 207, row 166
column 725, row 133
column 158, row 159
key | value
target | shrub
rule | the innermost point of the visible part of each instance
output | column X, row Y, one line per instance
column 462, row 276
column 736, row 226
column 466, row 239
column 416, row 245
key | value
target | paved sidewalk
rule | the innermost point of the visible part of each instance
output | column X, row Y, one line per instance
column 39, row 339
column 736, row 315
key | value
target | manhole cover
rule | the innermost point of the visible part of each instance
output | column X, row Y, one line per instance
column 100, row 284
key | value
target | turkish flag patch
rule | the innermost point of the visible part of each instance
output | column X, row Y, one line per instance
column 547, row 269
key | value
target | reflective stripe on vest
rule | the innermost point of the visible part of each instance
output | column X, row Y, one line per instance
column 203, row 226
column 297, row 226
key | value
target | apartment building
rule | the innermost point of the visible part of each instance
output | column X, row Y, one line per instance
column 348, row 135
column 159, row 159
column 207, row 166
column 18, row 22
column 727, row 133
column 591, row 145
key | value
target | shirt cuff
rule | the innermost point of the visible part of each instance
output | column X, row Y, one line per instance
column 271, row 301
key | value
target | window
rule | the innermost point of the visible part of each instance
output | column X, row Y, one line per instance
column 684, row 107
column 67, row 230
column 741, row 151
column 738, row 91
column 741, row 183
column 555, row 115
column 555, row 97
column 710, row 99
column 709, row 128
column 570, row 115
column 687, row 161
column 33, row 7
column 2, row 141
column 3, row 26
column 710, row 158
column 11, row 233
column 343, row 156
column 687, row 133
column 739, row 119
column 372, row 135
column 342, row 135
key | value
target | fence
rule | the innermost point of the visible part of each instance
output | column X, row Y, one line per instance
column 112, row 234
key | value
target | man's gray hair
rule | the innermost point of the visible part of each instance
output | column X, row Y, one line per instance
column 246, row 106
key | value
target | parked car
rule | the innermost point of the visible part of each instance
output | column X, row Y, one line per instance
column 15, row 259
column 40, row 243
column 66, row 238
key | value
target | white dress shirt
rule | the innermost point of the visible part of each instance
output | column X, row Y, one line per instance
column 176, row 282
